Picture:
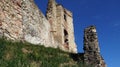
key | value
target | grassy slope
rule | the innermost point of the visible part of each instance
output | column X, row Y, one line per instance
column 18, row 54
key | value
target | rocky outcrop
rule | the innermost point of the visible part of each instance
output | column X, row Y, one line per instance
column 91, row 48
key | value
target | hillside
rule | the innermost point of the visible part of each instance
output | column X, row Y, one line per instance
column 28, row 35
column 19, row 54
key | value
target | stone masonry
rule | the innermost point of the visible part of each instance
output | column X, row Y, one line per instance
column 22, row 20
column 91, row 49
column 61, row 22
column 11, row 19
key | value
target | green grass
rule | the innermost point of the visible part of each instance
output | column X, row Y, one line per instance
column 18, row 54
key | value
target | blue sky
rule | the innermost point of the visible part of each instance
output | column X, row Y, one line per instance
column 105, row 15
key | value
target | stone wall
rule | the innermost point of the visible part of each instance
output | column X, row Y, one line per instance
column 91, row 49
column 11, row 19
column 36, row 28
column 22, row 20
column 68, row 18
column 61, row 21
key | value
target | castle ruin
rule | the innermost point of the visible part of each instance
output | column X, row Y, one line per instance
column 22, row 20
column 61, row 22
column 91, row 48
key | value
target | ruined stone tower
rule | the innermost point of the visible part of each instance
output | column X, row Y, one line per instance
column 22, row 20
column 91, row 49
column 61, row 22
